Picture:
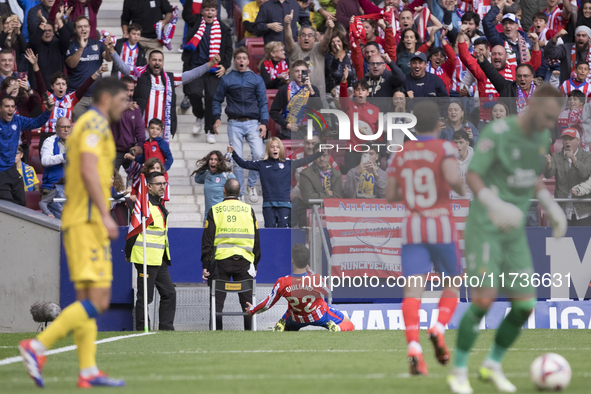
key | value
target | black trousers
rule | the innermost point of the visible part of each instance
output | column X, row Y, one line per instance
column 236, row 270
column 206, row 86
column 158, row 276
column 12, row 187
column 120, row 161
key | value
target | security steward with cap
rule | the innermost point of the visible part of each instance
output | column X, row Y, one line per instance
column 158, row 258
column 230, row 246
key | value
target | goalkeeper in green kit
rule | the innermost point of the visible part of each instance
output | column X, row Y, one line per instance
column 504, row 174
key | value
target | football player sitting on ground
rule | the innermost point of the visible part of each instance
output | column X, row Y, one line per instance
column 304, row 292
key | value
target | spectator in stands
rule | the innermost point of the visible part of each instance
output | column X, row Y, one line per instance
column 153, row 164
column 275, row 172
column 40, row 10
column 155, row 146
column 51, row 208
column 514, row 94
column 465, row 155
column 65, row 103
column 83, row 58
column 209, row 37
column 118, row 189
column 471, row 20
column 288, row 106
column 248, row 115
column 12, row 38
column 30, row 180
column 212, row 172
column 420, row 83
column 130, row 50
column 411, row 42
column 51, row 47
column 26, row 6
column 270, row 20
column 320, row 180
column 499, row 111
column 147, row 13
column 11, row 126
column 346, row 9
column 381, row 82
column 53, row 155
column 7, row 64
column 571, row 116
column 456, row 120
column 273, row 67
column 513, row 39
column 130, row 132
column 88, row 8
column 581, row 18
column 249, row 16
column 335, row 63
column 324, row 10
column 155, row 80
column 310, row 51
column 367, row 180
column 570, row 167
column 28, row 102
column 563, row 52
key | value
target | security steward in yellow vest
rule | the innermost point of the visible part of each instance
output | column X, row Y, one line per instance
column 158, row 258
column 230, row 246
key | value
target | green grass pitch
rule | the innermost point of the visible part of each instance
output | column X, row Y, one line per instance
column 293, row 362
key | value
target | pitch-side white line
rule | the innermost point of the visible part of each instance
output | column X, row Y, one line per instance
column 12, row 360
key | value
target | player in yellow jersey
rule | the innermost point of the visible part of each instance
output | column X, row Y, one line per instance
column 87, row 226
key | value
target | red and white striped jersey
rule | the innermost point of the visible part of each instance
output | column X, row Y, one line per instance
column 571, row 84
column 157, row 101
column 129, row 56
column 303, row 292
column 62, row 109
column 418, row 172
column 555, row 21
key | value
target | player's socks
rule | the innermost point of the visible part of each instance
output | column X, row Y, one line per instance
column 510, row 328
column 410, row 313
column 69, row 319
column 84, row 337
column 447, row 306
column 347, row 326
column 467, row 334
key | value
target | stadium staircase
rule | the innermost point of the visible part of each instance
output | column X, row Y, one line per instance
column 186, row 205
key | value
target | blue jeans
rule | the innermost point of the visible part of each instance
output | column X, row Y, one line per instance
column 248, row 130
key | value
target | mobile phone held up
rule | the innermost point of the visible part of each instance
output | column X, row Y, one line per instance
column 304, row 75
column 364, row 158
column 22, row 75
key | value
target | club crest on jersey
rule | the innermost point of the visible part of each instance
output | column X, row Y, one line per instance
column 281, row 165
column 217, row 179
column 14, row 127
column 95, row 47
column 153, row 149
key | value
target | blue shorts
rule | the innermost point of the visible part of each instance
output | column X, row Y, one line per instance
column 332, row 314
column 418, row 259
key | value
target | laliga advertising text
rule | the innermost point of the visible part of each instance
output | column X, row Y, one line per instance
column 503, row 280
column 393, row 120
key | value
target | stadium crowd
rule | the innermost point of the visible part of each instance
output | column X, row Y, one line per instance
column 480, row 59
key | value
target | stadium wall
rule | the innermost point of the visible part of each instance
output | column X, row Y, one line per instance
column 30, row 264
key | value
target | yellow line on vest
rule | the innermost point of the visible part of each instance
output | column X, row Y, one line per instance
column 12, row 360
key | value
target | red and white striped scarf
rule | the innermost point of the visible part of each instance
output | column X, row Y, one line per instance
column 573, row 62
column 457, row 76
column 215, row 38
column 507, row 73
column 423, row 19
column 274, row 71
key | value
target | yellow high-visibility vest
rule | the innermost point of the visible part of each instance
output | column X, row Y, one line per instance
column 234, row 230
column 156, row 240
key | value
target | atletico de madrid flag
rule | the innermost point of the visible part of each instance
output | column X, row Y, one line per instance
column 140, row 210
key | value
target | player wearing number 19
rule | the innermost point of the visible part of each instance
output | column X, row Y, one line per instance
column 230, row 246
column 422, row 176
column 87, row 227
column 504, row 174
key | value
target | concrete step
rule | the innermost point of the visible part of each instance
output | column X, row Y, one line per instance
column 189, row 224
column 178, row 163
column 179, row 181
column 185, row 199
column 181, row 190
column 185, row 217
column 182, row 208
column 178, row 172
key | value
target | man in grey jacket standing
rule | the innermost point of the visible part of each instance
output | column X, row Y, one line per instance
column 570, row 167
column 248, row 113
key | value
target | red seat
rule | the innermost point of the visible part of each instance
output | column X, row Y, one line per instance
column 238, row 23
column 33, row 199
column 271, row 125
column 35, row 162
column 256, row 52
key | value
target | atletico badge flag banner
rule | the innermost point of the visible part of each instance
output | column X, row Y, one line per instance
column 365, row 235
